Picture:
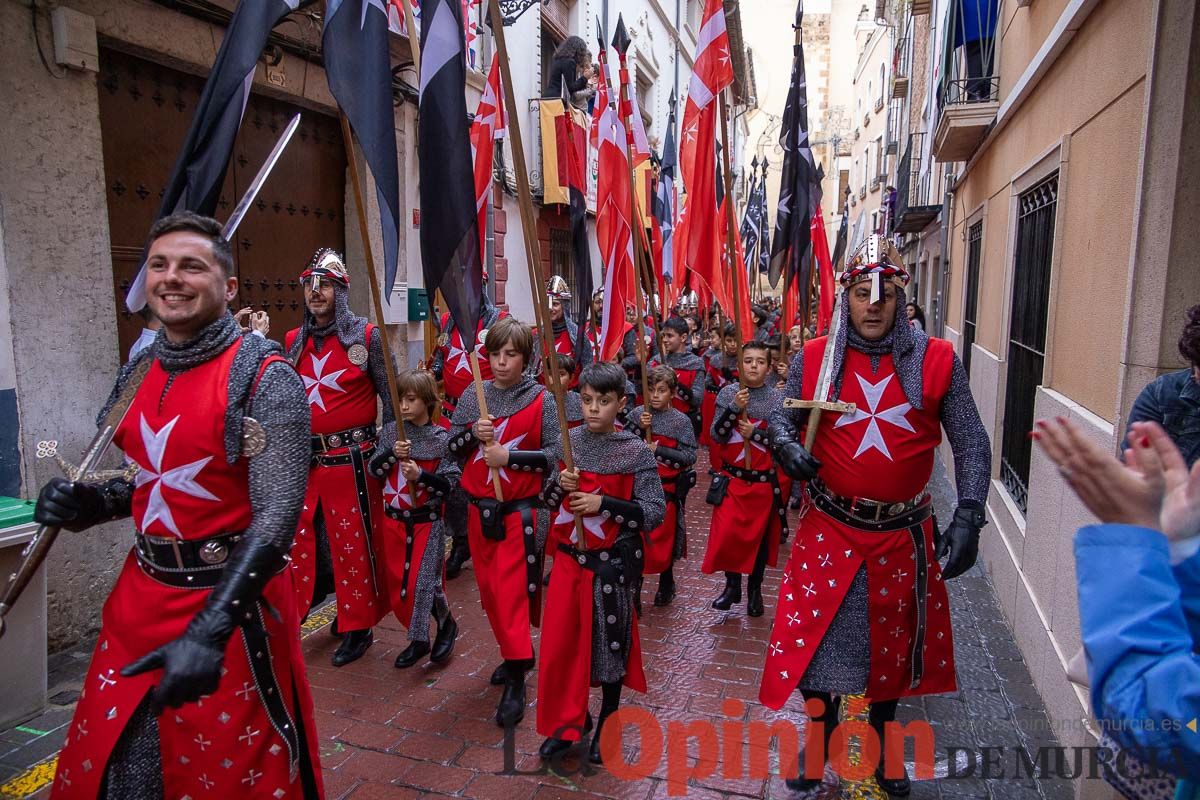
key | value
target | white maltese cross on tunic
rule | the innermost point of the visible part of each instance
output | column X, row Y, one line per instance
column 873, row 435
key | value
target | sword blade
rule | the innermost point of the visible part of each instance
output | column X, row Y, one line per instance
column 825, row 376
column 243, row 205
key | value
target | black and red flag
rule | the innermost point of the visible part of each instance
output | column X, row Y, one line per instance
column 199, row 171
column 450, row 232
column 359, row 71
column 799, row 186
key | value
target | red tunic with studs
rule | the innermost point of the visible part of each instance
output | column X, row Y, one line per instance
column 232, row 743
column 342, row 397
column 883, row 451
column 406, row 539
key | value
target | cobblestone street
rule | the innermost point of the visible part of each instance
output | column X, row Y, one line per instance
column 430, row 731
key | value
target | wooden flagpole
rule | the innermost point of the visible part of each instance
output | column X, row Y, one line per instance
column 356, row 184
column 532, row 248
column 730, row 232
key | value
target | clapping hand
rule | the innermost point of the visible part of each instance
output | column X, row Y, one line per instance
column 1152, row 489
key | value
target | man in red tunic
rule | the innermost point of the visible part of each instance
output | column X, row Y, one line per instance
column 197, row 687
column 865, row 559
column 452, row 366
column 340, row 358
column 567, row 341
column 508, row 453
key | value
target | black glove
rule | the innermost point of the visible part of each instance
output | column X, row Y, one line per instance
column 961, row 540
column 382, row 461
column 796, row 462
column 191, row 664
column 73, row 506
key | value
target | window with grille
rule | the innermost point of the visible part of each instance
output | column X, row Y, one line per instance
column 1027, row 332
column 560, row 256
column 971, row 306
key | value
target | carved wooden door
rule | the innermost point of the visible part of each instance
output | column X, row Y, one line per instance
column 145, row 112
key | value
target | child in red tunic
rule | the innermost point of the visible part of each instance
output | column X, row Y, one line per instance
column 674, row 447
column 590, row 636
column 748, row 492
column 418, row 478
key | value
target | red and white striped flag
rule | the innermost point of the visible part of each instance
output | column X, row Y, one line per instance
column 614, row 234
column 490, row 126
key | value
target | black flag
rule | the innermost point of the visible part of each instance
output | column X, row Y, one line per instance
column 449, row 230
column 195, row 182
column 359, row 71
column 764, row 225
column 839, row 248
column 797, row 184
column 751, row 223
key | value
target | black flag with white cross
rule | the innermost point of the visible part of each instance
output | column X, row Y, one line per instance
column 359, row 71
column 797, row 187
column 449, row 226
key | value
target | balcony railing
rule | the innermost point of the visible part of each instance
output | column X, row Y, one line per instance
column 969, row 107
column 914, row 210
column 897, row 125
column 900, row 69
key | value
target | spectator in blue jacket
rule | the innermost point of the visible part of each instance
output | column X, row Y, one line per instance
column 1173, row 400
column 1139, row 590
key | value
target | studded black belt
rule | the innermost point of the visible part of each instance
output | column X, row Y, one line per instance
column 186, row 564
column 324, row 442
column 412, row 515
column 860, row 512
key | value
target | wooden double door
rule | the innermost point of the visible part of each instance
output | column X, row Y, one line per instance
column 145, row 112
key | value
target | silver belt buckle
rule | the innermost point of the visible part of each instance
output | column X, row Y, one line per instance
column 214, row 552
column 335, row 440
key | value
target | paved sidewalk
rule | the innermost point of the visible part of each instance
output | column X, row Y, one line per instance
column 429, row 731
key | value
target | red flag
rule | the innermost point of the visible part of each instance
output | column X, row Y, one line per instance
column 489, row 127
column 614, row 234
column 602, row 99
column 820, row 248
column 711, row 74
column 731, row 262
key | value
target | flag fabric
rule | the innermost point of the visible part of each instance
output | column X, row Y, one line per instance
column 563, row 127
column 751, row 224
column 489, row 127
column 511, row 10
column 764, row 226
column 639, row 144
column 712, row 72
column 664, row 200
column 824, row 266
column 839, row 247
column 799, row 187
column 614, row 234
column 450, row 242
column 359, row 71
column 736, row 288
column 199, row 171
column 572, row 133
column 602, row 94
column 396, row 21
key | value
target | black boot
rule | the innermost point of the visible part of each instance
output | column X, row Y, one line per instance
column 511, row 709
column 895, row 787
column 443, row 643
column 412, row 654
column 732, row 593
column 460, row 555
column 880, row 714
column 353, row 647
column 498, row 676
column 610, row 703
column 828, row 720
column 666, row 589
column 553, row 746
column 754, row 598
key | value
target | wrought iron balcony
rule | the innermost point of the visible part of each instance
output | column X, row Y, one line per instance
column 969, row 107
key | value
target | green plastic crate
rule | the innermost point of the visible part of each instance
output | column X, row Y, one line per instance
column 14, row 512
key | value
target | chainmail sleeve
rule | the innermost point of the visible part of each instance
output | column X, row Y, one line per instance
column 551, row 434
column 279, row 474
column 967, row 436
column 724, row 415
column 376, row 365
column 648, row 492
column 794, row 417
